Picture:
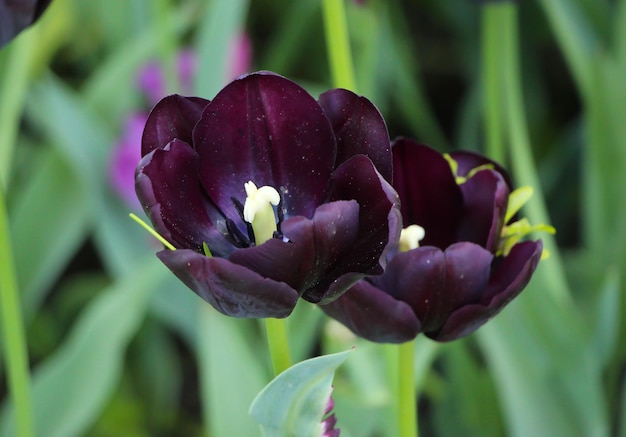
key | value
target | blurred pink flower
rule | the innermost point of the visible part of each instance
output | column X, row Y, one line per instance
column 241, row 55
column 151, row 78
column 126, row 154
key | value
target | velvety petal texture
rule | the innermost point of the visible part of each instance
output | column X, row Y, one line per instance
column 174, row 117
column 455, row 280
column 359, row 128
column 337, row 217
column 233, row 290
column 428, row 191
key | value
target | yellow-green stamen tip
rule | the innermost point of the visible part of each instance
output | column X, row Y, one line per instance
column 512, row 233
column 517, row 199
column 258, row 210
column 152, row 232
column 410, row 238
column 206, row 250
column 454, row 166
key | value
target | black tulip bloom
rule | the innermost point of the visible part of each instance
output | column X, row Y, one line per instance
column 268, row 195
column 469, row 262
column 16, row 15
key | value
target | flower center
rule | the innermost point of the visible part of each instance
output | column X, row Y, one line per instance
column 410, row 238
column 259, row 211
column 511, row 233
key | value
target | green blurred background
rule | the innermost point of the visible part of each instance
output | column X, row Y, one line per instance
column 118, row 347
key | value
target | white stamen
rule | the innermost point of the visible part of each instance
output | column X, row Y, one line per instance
column 257, row 199
column 410, row 237
column 259, row 212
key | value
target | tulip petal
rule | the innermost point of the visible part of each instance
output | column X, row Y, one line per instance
column 231, row 289
column 417, row 277
column 468, row 268
column 265, row 129
column 428, row 191
column 359, row 128
column 315, row 247
column 172, row 197
column 379, row 222
column 172, row 118
column 510, row 276
column 374, row 315
column 485, row 199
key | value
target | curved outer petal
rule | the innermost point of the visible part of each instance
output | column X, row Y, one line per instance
column 315, row 246
column 172, row 118
column 379, row 223
column 510, row 276
column 232, row 289
column 265, row 129
column 468, row 161
column 436, row 283
column 428, row 191
column 359, row 129
column 374, row 315
column 485, row 199
column 417, row 277
column 170, row 193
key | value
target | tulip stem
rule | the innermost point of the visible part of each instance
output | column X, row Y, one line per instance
column 492, row 83
column 407, row 398
column 521, row 151
column 16, row 352
column 277, row 341
column 338, row 44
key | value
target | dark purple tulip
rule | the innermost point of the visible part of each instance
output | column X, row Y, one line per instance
column 16, row 15
column 328, row 161
column 458, row 277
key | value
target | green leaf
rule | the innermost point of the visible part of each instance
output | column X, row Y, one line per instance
column 303, row 329
column 547, row 383
column 606, row 318
column 293, row 403
column 575, row 36
column 232, row 371
column 71, row 387
column 82, row 136
column 222, row 21
column 48, row 222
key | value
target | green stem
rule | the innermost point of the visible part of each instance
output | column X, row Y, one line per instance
column 492, row 86
column 521, row 151
column 407, row 402
column 338, row 44
column 276, row 330
column 16, row 353
column 167, row 45
column 16, row 59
